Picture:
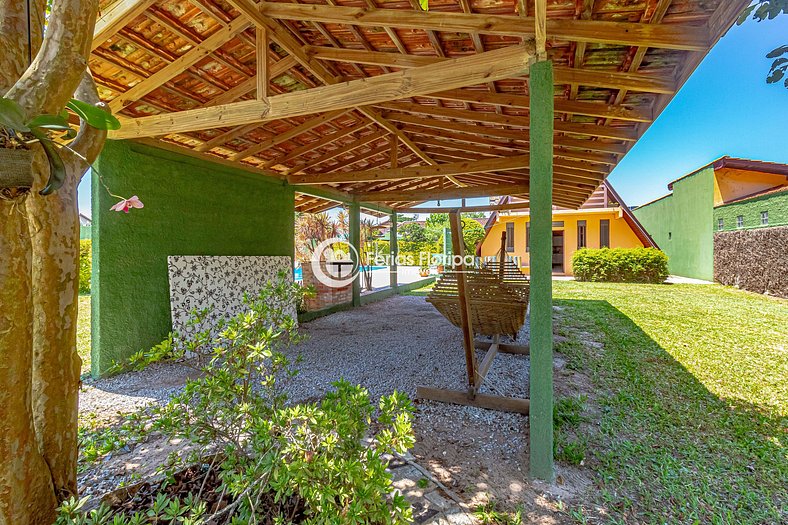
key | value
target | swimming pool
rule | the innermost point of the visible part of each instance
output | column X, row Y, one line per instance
column 298, row 274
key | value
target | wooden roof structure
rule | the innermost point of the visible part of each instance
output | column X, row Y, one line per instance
column 376, row 101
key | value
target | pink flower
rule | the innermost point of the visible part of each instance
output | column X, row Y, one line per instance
column 126, row 204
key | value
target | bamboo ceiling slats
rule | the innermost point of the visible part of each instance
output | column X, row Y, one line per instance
column 617, row 64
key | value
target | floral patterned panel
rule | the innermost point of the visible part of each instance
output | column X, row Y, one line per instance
column 218, row 283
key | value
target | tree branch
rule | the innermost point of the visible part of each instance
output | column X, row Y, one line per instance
column 56, row 71
column 90, row 140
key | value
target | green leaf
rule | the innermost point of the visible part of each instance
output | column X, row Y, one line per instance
column 93, row 116
column 424, row 4
column 57, row 170
column 49, row 122
column 778, row 52
column 11, row 115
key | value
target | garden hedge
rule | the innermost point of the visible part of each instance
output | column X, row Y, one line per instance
column 85, row 263
column 627, row 265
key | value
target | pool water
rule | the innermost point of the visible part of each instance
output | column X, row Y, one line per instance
column 298, row 274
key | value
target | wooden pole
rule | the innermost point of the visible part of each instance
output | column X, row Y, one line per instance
column 541, row 316
column 458, row 250
column 393, row 250
column 355, row 241
column 262, row 63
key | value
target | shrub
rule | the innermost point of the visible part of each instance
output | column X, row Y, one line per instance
column 85, row 263
column 274, row 462
column 629, row 265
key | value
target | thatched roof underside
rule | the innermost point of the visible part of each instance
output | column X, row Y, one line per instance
column 617, row 65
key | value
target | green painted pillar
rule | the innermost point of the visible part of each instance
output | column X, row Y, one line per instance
column 541, row 316
column 355, row 242
column 393, row 250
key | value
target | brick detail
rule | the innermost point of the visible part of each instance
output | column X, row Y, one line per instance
column 326, row 296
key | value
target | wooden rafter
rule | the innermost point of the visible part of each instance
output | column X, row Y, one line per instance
column 454, row 73
column 672, row 36
column 116, row 17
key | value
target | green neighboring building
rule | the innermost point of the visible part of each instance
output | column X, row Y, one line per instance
column 729, row 194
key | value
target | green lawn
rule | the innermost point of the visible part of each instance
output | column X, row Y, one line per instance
column 83, row 332
column 693, row 396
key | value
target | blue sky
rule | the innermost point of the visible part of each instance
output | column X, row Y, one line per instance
column 725, row 108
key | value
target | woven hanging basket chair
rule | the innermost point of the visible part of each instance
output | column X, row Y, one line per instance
column 498, row 306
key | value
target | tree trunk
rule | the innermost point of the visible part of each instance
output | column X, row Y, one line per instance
column 54, row 220
column 39, row 368
column 26, row 495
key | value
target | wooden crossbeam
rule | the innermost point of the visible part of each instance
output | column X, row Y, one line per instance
column 180, row 64
column 592, row 130
column 668, row 36
column 466, row 209
column 507, row 100
column 417, row 172
column 442, row 193
column 455, row 397
column 247, row 86
column 563, row 75
column 116, row 17
column 499, row 64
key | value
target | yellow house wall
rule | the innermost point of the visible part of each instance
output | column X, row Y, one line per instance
column 621, row 235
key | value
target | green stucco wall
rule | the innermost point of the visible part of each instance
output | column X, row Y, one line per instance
column 192, row 207
column 682, row 225
column 84, row 232
column 750, row 210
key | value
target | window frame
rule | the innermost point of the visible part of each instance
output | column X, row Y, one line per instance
column 604, row 233
column 765, row 218
column 582, row 232
column 740, row 221
column 509, row 236
column 720, row 224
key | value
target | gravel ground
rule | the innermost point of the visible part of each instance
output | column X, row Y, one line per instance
column 395, row 344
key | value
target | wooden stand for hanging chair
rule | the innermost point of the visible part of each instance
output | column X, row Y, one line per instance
column 484, row 302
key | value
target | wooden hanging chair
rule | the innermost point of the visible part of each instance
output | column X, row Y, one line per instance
column 486, row 302
column 496, row 307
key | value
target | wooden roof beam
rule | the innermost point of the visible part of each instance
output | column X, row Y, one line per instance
column 502, row 63
column 341, row 150
column 592, row 130
column 668, row 36
column 442, row 193
column 562, row 75
column 179, row 65
column 116, row 17
column 418, row 172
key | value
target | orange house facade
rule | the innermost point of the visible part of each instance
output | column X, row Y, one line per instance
column 603, row 221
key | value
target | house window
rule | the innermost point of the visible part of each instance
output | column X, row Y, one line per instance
column 604, row 233
column 558, row 224
column 581, row 234
column 740, row 221
column 764, row 218
column 528, row 236
column 720, row 224
column 509, row 236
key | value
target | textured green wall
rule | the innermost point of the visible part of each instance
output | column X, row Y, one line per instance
column 84, row 232
column 682, row 224
column 192, row 207
column 750, row 210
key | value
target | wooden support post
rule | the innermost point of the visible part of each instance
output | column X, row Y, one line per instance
column 393, row 251
column 458, row 250
column 541, row 316
column 262, row 63
column 355, row 242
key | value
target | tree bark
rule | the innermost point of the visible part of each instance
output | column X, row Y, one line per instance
column 56, row 364
column 26, row 495
column 39, row 368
